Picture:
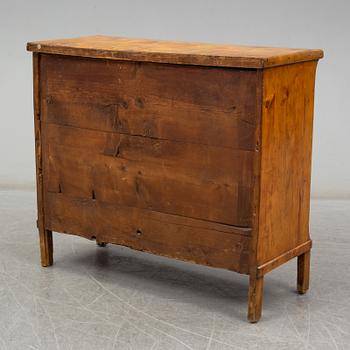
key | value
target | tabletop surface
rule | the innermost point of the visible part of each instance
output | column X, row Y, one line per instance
column 174, row 52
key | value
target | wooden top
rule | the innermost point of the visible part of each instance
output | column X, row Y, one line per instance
column 119, row 48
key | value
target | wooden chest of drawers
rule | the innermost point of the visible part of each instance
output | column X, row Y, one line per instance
column 193, row 151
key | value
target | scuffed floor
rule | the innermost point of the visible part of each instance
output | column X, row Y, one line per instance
column 114, row 298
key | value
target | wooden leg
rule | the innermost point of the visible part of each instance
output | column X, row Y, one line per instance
column 255, row 297
column 303, row 272
column 46, row 247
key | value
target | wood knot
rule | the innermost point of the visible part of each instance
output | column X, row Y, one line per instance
column 238, row 247
column 269, row 102
column 124, row 104
column 285, row 94
column 139, row 102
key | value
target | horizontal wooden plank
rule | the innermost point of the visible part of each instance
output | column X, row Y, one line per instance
column 163, row 234
column 115, row 180
column 191, row 180
column 207, row 163
column 180, row 94
column 156, row 118
column 174, row 51
column 283, row 258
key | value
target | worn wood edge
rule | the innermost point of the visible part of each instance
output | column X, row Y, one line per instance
column 45, row 236
column 195, row 222
column 243, row 268
column 272, row 264
column 177, row 58
column 238, row 252
column 312, row 55
column 257, row 182
column 172, row 58
column 255, row 298
column 38, row 140
column 303, row 272
column 147, row 137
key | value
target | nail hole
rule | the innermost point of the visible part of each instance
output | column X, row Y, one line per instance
column 93, row 195
column 138, row 232
column 59, row 188
column 93, row 238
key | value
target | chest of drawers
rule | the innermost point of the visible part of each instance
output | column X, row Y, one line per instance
column 193, row 151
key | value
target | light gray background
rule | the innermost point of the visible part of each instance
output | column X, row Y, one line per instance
column 310, row 24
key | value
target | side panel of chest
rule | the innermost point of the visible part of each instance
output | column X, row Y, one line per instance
column 287, row 122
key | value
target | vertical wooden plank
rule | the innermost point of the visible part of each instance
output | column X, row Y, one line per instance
column 303, row 272
column 256, row 283
column 255, row 298
column 45, row 236
column 256, row 176
column 287, row 120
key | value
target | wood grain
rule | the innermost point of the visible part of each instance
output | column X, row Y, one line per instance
column 303, row 278
column 159, row 119
column 119, row 48
column 255, row 198
column 193, row 151
column 169, row 235
column 45, row 236
column 175, row 139
column 212, row 106
column 285, row 257
column 255, row 297
column 191, row 180
column 287, row 119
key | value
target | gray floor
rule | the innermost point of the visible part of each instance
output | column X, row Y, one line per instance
column 114, row 298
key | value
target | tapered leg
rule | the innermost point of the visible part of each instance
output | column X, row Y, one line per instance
column 255, row 297
column 303, row 272
column 46, row 247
